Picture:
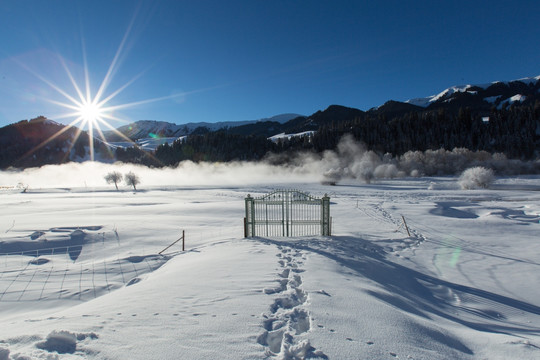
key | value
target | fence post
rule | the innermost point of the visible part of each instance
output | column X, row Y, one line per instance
column 325, row 221
column 183, row 238
column 287, row 210
column 406, row 227
column 250, row 217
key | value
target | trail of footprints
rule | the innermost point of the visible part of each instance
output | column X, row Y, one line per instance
column 287, row 317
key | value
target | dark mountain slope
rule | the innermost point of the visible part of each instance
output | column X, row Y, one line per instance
column 41, row 141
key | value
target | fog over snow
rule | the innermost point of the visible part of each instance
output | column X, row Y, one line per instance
column 82, row 277
column 351, row 160
column 91, row 174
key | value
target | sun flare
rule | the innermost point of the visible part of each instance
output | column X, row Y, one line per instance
column 90, row 112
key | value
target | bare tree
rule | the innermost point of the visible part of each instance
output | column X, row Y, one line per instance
column 113, row 177
column 131, row 179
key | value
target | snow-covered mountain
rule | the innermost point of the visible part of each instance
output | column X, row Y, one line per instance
column 497, row 93
column 151, row 129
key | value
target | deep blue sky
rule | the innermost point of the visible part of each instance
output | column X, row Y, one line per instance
column 244, row 60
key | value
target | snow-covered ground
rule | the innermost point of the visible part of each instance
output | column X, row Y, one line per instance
column 81, row 275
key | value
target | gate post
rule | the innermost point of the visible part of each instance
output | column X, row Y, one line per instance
column 287, row 210
column 325, row 215
column 249, row 227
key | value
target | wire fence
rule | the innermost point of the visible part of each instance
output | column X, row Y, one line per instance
column 50, row 274
column 90, row 269
column 95, row 263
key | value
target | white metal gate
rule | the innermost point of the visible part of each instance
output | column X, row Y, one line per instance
column 287, row 213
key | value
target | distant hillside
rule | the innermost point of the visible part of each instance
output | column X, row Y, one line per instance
column 483, row 97
column 479, row 99
column 42, row 141
column 393, row 108
column 334, row 113
column 143, row 129
column 151, row 128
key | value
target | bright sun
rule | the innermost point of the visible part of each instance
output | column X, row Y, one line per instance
column 90, row 112
column 94, row 110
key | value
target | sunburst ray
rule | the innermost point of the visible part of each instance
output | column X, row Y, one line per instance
column 94, row 111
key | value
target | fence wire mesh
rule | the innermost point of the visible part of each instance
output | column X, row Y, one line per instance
column 79, row 272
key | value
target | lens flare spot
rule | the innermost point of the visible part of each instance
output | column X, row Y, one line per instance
column 455, row 257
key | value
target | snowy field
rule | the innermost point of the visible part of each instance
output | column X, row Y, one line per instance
column 81, row 277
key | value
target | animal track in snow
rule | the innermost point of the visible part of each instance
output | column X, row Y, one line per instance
column 287, row 318
column 378, row 213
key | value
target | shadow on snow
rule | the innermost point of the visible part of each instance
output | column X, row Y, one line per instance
column 417, row 293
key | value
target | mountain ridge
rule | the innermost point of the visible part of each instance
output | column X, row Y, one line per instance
column 150, row 128
column 394, row 126
column 503, row 90
column 480, row 97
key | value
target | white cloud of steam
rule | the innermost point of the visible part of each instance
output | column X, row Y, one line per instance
column 187, row 173
column 350, row 160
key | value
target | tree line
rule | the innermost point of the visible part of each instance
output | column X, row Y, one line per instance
column 511, row 130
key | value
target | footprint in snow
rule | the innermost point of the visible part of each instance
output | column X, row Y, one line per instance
column 322, row 292
column 288, row 318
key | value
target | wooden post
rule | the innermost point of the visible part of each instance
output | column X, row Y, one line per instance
column 183, row 238
column 406, row 227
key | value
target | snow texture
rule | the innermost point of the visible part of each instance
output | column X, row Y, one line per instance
column 82, row 277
